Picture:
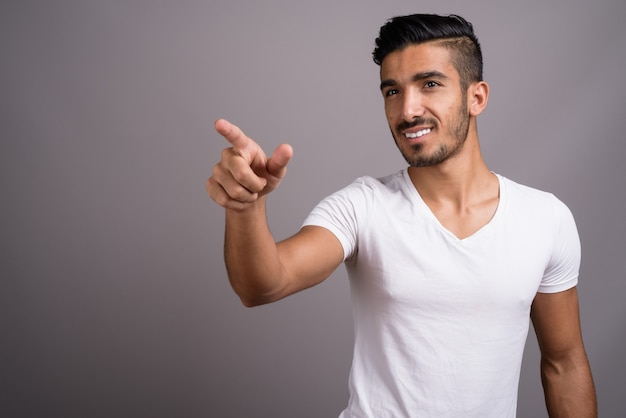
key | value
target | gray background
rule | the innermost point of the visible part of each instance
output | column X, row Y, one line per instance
column 114, row 298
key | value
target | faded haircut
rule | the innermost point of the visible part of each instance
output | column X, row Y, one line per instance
column 451, row 32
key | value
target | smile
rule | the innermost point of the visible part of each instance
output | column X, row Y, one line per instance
column 412, row 135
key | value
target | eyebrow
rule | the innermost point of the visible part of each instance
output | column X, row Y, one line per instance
column 416, row 77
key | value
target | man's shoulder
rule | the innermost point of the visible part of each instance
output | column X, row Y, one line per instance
column 367, row 192
column 515, row 188
column 393, row 181
column 531, row 199
column 376, row 185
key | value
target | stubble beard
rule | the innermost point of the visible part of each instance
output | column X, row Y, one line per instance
column 458, row 130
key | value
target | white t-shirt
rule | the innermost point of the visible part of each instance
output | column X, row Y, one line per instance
column 441, row 322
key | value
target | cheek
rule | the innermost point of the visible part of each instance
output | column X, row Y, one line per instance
column 390, row 111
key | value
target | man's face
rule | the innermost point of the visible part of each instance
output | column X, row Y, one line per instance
column 425, row 107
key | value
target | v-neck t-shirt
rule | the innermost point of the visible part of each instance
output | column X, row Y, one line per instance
column 441, row 322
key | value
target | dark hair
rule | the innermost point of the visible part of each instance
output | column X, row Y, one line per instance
column 452, row 32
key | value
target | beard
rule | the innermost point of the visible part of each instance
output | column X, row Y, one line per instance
column 458, row 130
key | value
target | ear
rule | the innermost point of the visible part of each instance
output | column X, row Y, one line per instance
column 477, row 97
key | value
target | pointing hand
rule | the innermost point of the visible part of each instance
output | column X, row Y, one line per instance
column 245, row 173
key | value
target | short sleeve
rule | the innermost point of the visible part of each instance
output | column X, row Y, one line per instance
column 341, row 213
column 563, row 268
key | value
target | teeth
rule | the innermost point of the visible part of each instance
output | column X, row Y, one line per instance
column 417, row 134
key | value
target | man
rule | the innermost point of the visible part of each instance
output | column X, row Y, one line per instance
column 447, row 260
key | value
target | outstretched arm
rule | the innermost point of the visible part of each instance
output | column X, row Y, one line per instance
column 565, row 371
column 259, row 269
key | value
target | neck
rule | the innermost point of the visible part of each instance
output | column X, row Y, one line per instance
column 461, row 180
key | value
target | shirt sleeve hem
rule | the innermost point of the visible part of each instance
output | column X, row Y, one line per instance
column 559, row 287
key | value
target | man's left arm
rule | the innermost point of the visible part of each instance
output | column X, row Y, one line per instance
column 565, row 372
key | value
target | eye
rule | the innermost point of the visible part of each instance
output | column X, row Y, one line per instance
column 431, row 84
column 391, row 92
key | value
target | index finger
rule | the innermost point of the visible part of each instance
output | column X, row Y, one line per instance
column 232, row 134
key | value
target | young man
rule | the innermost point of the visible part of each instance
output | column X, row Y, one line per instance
column 446, row 259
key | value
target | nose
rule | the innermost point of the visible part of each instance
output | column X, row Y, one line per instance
column 412, row 105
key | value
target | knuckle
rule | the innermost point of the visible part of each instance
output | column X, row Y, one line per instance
column 241, row 194
column 221, row 200
column 217, row 170
column 227, row 153
column 240, row 176
column 247, row 179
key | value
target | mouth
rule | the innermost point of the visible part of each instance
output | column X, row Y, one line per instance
column 417, row 134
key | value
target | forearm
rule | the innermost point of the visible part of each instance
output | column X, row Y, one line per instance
column 569, row 388
column 251, row 255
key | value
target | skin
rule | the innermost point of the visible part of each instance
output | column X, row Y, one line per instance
column 420, row 84
column 431, row 89
column 422, row 90
column 259, row 269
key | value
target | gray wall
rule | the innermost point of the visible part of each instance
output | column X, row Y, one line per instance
column 114, row 298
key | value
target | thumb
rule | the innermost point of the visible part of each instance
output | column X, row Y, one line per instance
column 277, row 163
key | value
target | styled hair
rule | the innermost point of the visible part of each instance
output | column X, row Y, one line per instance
column 451, row 32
